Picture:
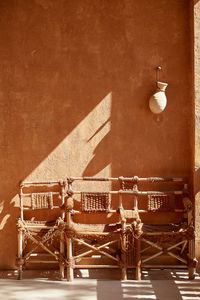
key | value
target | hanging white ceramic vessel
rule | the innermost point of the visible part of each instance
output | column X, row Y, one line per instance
column 158, row 100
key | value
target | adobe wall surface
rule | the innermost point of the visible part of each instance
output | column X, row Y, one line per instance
column 75, row 81
column 197, row 121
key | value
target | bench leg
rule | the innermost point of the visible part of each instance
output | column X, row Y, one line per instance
column 123, row 256
column 191, row 269
column 124, row 273
column 62, row 250
column 70, row 271
column 20, row 247
column 138, row 259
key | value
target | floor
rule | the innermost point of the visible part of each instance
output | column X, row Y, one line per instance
column 161, row 285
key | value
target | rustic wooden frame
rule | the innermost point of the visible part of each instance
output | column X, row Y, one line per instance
column 129, row 230
column 184, row 237
column 79, row 237
column 25, row 228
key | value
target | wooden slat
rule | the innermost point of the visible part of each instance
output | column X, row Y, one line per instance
column 96, row 267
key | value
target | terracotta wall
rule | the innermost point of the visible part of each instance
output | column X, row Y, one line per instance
column 196, row 10
column 74, row 86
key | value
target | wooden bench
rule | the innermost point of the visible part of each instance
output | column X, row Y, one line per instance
column 106, row 223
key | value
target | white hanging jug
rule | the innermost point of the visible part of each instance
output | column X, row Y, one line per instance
column 158, row 100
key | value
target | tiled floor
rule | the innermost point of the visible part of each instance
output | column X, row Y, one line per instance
column 161, row 285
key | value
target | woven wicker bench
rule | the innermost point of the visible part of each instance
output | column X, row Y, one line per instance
column 142, row 223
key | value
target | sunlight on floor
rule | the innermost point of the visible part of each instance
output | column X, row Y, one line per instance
column 172, row 285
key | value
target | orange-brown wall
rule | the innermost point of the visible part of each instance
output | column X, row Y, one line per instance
column 196, row 10
column 75, row 80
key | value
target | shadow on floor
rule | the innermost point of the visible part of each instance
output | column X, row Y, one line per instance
column 160, row 285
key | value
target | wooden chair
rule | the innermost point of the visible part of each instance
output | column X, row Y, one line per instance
column 90, row 245
column 41, row 225
column 104, row 245
column 167, row 239
column 165, row 225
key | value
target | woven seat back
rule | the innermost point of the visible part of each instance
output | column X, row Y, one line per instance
column 95, row 202
column 160, row 203
column 41, row 200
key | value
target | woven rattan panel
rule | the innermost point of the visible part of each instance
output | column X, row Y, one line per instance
column 41, row 200
column 160, row 203
column 95, row 202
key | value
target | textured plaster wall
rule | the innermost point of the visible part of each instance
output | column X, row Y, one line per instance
column 74, row 86
column 197, row 121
